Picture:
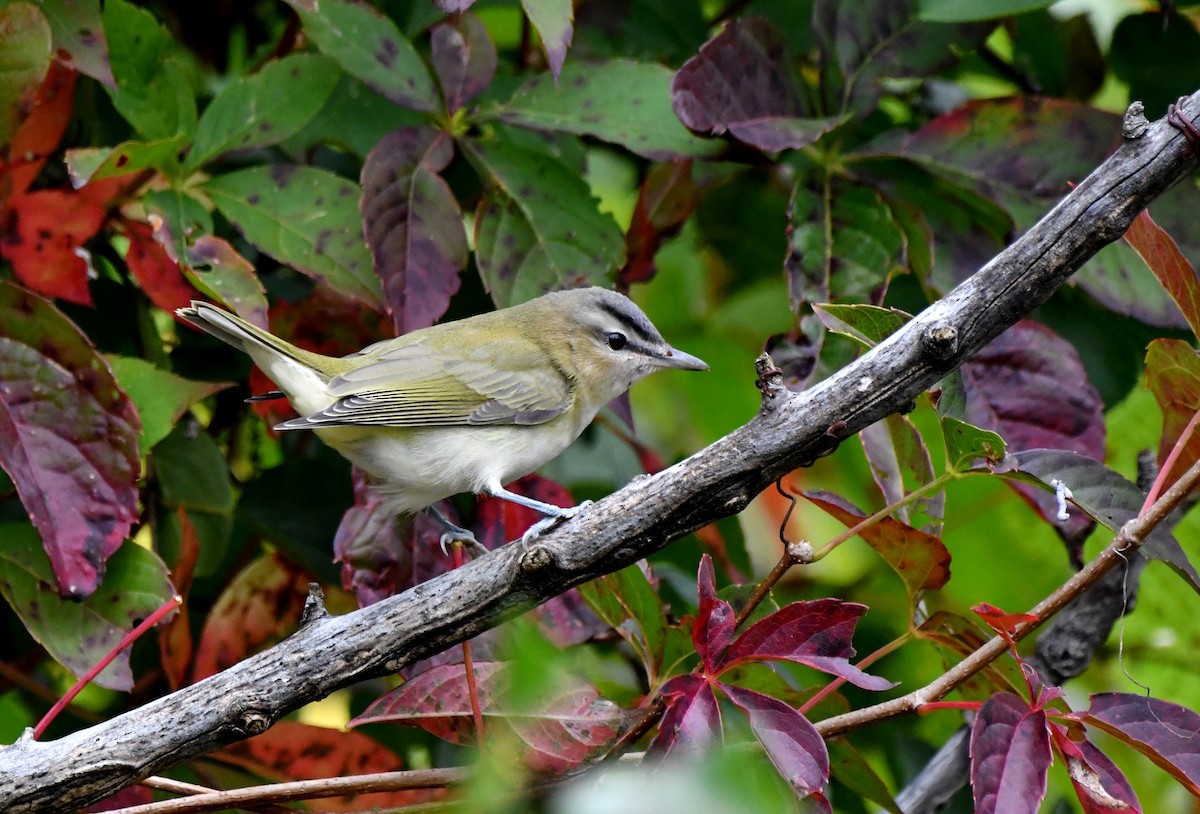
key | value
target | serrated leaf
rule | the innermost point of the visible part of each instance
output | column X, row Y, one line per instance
column 538, row 227
column 368, row 45
column 413, row 225
column 920, row 559
column 553, row 20
column 741, row 83
column 68, row 439
column 867, row 324
column 464, row 58
column 1164, row 732
column 153, row 92
column 26, row 35
column 305, row 217
column 263, row 109
column 1106, row 497
column 1163, row 257
column 618, row 101
column 790, row 741
column 79, row 633
column 1010, row 756
column 160, row 396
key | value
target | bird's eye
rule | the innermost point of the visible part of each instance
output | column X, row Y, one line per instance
column 615, row 340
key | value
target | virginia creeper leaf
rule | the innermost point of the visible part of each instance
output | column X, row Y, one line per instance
column 1010, row 756
column 464, row 58
column 628, row 603
column 1173, row 376
column 715, row 618
column 1100, row 786
column 26, row 34
column 966, row 442
column 790, row 741
column 68, row 439
column 554, row 22
column 1166, row 733
column 692, row 720
column 413, row 225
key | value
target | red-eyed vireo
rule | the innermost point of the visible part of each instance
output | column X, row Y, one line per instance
column 464, row 406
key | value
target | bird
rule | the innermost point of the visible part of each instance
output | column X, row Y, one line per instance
column 466, row 405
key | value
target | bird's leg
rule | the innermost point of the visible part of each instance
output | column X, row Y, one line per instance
column 455, row 533
column 554, row 514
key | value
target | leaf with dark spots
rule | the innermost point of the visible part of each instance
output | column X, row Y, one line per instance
column 1173, row 376
column 1163, row 257
column 741, row 83
column 368, row 45
column 80, row 633
column 38, row 133
column 155, row 272
column 920, row 559
column 1030, row 386
column 217, row 269
column 1010, row 756
column 692, row 721
column 413, row 225
column 291, row 751
column 153, row 84
column 45, row 239
column 79, row 41
column 790, row 741
column 1166, row 733
column 665, row 202
column 538, row 228
column 1099, row 784
column 816, row 633
column 275, row 207
column 618, row 101
column 553, row 20
column 68, row 439
column 864, row 44
column 1105, row 496
column 263, row 109
column 27, row 50
column 464, row 58
column 258, row 607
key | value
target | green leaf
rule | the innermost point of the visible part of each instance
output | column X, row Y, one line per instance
column 538, row 227
column 79, row 39
column 79, row 634
column 183, row 220
column 368, row 45
column 215, row 267
column 966, row 442
column 553, row 21
column 94, row 163
column 620, row 101
column 868, row 324
column 354, row 118
column 852, row 770
column 25, row 33
column 956, row 11
column 192, row 472
column 264, row 109
column 161, row 397
column 305, row 217
column 153, row 93
column 627, row 597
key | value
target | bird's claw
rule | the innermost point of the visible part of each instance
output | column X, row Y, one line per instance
column 534, row 531
column 472, row 545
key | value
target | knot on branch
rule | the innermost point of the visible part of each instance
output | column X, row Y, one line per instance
column 254, row 722
column 536, row 559
column 1134, row 124
column 314, row 605
column 769, row 381
column 940, row 342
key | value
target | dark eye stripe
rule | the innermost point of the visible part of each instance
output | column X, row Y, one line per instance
column 632, row 323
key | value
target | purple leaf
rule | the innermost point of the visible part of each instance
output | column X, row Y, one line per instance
column 374, row 547
column 816, row 633
column 1166, row 733
column 790, row 741
column 1010, row 755
column 413, row 225
column 714, row 618
column 68, row 439
column 1099, row 784
column 553, row 21
column 900, row 464
column 464, row 58
column 1030, row 386
column 452, row 6
column 692, row 720
column 741, row 82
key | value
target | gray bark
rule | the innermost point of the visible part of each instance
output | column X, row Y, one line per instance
column 789, row 431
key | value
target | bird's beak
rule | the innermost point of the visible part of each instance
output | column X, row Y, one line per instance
column 680, row 360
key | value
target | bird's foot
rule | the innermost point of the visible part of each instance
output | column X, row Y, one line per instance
column 534, row 531
column 466, row 538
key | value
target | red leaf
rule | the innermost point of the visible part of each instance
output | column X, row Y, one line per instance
column 921, row 559
column 437, row 700
column 42, row 239
column 294, row 751
column 1030, row 386
column 714, row 619
column 157, row 274
column 463, row 57
column 692, row 720
column 68, row 439
column 667, row 199
column 1162, row 256
column 39, row 134
column 1173, row 376
column 816, row 633
column 1010, row 756
column 790, row 741
column 1099, row 784
column 1166, row 733
column 741, row 82
column 258, row 608
column 1000, row 621
column 413, row 224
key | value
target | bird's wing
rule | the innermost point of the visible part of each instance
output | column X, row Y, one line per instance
column 414, row 385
